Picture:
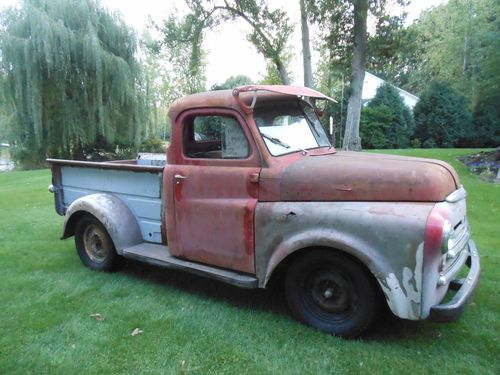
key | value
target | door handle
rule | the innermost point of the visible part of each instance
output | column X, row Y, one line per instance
column 178, row 178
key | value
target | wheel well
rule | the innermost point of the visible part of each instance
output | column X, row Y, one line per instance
column 69, row 229
column 280, row 270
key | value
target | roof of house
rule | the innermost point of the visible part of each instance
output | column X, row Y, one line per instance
column 380, row 81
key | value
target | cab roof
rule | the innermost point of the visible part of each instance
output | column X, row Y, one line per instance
column 241, row 98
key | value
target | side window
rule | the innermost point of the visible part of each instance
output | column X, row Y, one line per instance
column 215, row 137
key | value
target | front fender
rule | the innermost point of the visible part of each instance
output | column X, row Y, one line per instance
column 387, row 237
column 116, row 217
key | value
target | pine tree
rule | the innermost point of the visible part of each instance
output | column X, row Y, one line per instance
column 442, row 118
column 400, row 127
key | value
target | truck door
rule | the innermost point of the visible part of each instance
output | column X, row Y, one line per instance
column 215, row 190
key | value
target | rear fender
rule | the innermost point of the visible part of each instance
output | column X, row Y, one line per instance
column 116, row 217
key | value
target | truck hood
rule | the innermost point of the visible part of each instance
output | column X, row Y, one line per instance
column 355, row 176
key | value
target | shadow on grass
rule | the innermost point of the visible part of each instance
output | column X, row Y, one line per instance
column 271, row 299
column 387, row 327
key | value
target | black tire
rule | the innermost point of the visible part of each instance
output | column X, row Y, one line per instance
column 94, row 246
column 330, row 291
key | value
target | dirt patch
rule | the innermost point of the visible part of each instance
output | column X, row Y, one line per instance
column 484, row 164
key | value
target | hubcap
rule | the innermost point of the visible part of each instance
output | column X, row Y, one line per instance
column 331, row 292
column 95, row 243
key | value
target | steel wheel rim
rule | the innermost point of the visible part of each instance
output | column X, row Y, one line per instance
column 95, row 243
column 330, row 294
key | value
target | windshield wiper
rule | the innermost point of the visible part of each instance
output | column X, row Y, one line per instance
column 276, row 141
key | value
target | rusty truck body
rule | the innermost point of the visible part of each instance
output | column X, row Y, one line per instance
column 251, row 187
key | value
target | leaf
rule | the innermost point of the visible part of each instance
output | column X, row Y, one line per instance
column 98, row 317
column 136, row 332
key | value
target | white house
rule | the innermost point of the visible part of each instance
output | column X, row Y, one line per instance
column 371, row 84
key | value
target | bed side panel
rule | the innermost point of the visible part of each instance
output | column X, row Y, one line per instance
column 139, row 190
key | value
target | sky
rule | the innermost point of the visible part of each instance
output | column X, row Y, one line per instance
column 228, row 51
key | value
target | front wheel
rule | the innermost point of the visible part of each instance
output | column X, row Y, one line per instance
column 94, row 246
column 331, row 292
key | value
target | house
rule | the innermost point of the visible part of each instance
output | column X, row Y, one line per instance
column 371, row 84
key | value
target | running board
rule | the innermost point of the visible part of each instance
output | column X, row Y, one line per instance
column 159, row 255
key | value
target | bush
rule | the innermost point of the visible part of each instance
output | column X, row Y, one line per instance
column 442, row 118
column 485, row 124
column 153, row 145
column 387, row 105
column 374, row 124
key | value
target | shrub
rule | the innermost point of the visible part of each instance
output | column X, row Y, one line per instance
column 390, row 107
column 153, row 145
column 442, row 118
column 374, row 124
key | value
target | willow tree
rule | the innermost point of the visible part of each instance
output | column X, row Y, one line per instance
column 70, row 75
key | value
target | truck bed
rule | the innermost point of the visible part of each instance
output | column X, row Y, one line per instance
column 137, row 182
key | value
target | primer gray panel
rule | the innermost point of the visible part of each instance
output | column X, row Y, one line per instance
column 387, row 237
column 140, row 191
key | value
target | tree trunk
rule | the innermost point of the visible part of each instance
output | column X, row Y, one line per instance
column 352, row 141
column 282, row 71
column 306, row 48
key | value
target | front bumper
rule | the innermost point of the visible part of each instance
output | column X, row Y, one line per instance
column 451, row 311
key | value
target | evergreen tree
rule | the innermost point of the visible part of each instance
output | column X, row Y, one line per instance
column 486, row 124
column 442, row 118
column 400, row 127
column 70, row 74
column 375, row 123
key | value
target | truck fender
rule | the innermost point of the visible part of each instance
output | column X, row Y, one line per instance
column 112, row 212
column 403, row 305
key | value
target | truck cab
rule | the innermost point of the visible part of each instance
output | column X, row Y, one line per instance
column 252, row 186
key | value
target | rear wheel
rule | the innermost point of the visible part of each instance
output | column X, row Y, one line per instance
column 332, row 292
column 94, row 246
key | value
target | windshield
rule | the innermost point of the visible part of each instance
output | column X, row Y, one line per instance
column 289, row 127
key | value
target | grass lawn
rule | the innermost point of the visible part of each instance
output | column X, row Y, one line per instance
column 195, row 325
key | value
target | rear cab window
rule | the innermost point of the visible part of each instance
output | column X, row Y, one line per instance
column 215, row 137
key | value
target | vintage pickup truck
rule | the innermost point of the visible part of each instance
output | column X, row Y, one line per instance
column 251, row 188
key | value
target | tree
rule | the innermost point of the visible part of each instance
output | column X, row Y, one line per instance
column 232, row 82
column 374, row 125
column 306, row 45
column 400, row 127
column 442, row 118
column 457, row 42
column 70, row 74
column 159, row 85
column 270, row 27
column 486, row 124
column 352, row 141
column 181, row 46
column 344, row 35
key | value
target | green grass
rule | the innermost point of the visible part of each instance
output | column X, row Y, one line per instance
column 194, row 325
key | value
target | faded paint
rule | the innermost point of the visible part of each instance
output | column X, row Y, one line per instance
column 386, row 237
column 349, row 176
column 213, row 205
column 141, row 195
column 453, row 210
column 404, row 296
column 116, row 217
column 250, row 214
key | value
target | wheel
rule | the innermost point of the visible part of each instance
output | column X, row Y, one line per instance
column 94, row 246
column 331, row 292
